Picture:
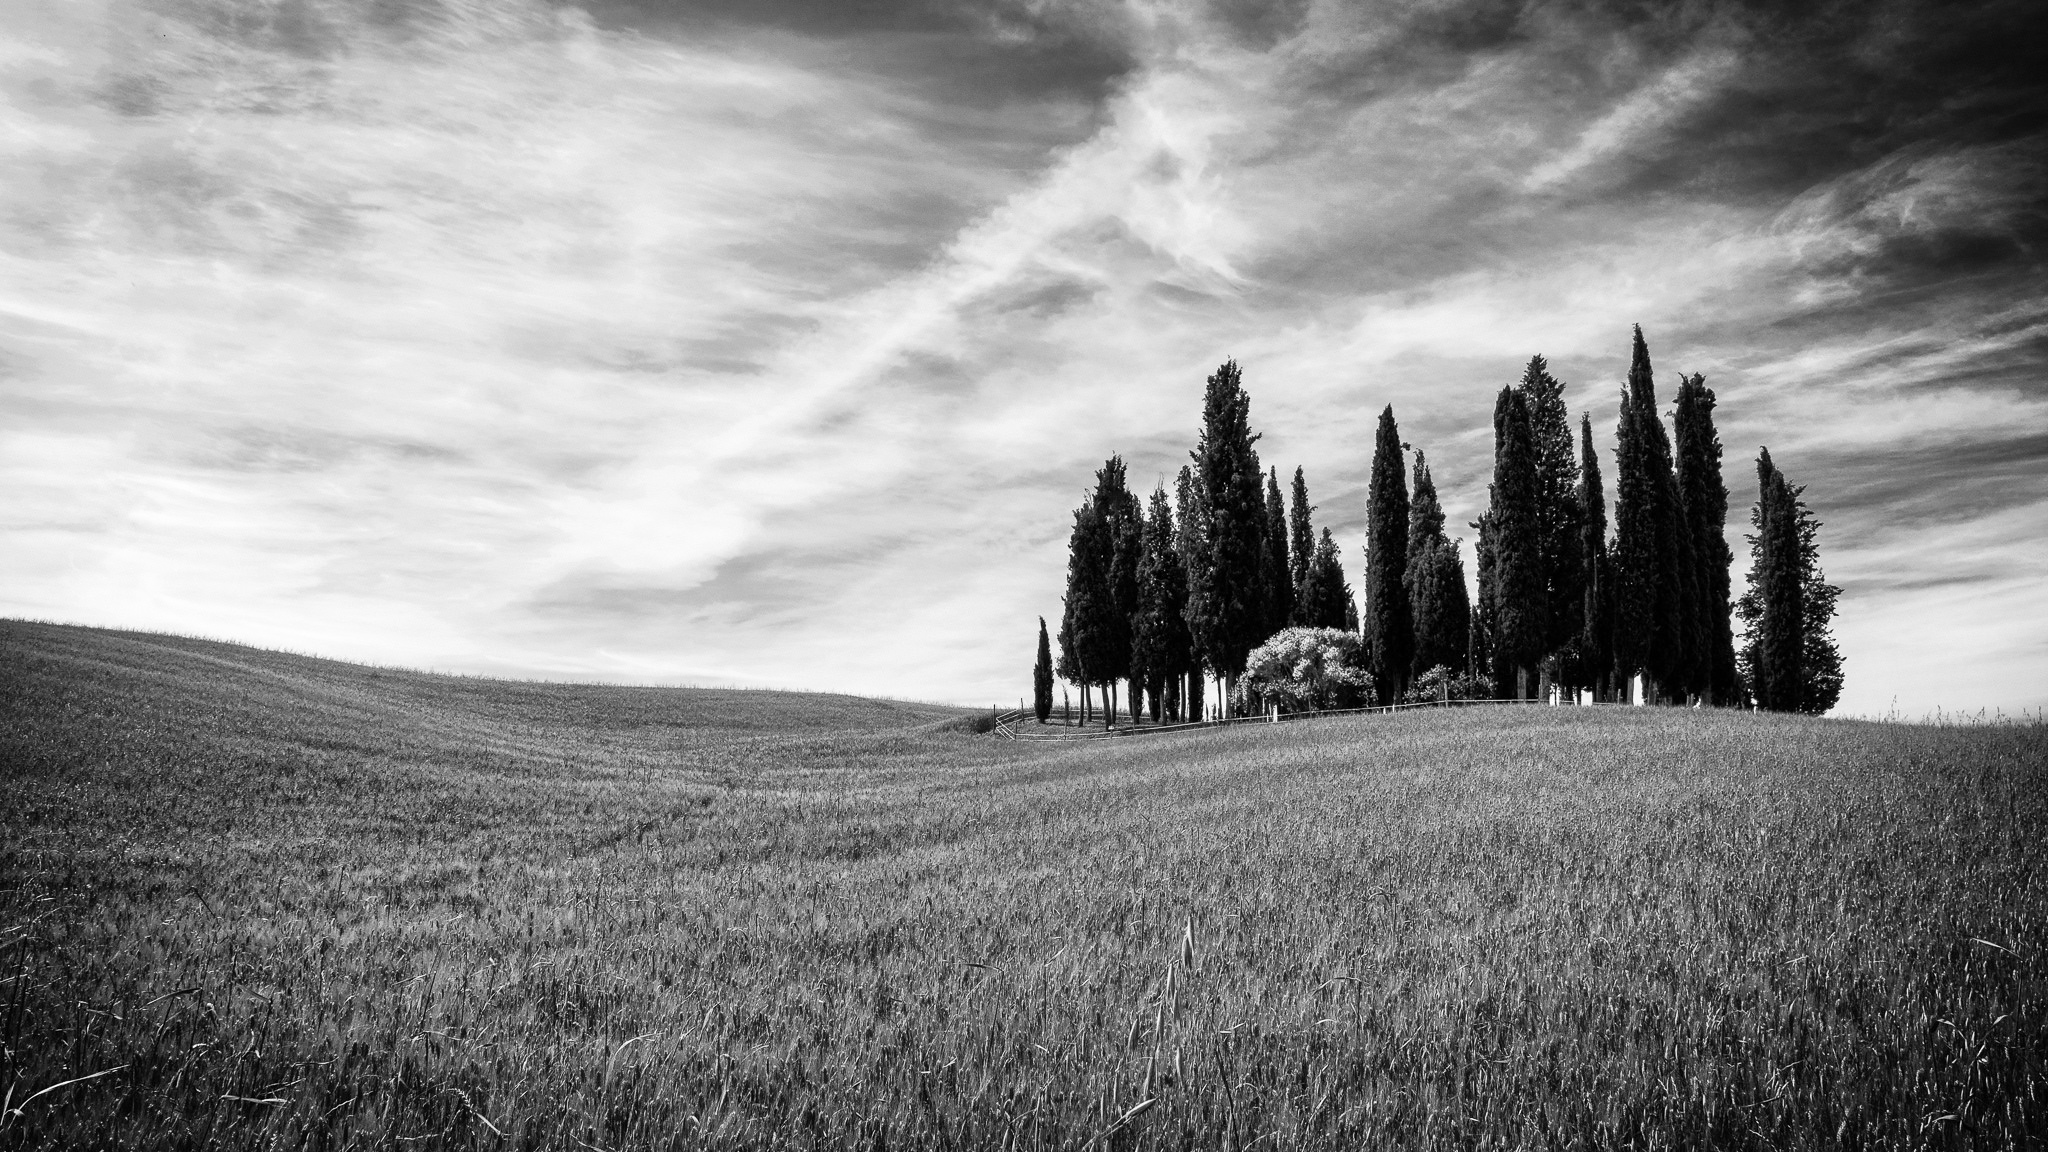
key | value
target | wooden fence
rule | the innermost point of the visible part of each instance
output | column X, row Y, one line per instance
column 1017, row 724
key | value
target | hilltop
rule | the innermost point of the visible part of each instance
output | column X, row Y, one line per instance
column 98, row 685
column 289, row 903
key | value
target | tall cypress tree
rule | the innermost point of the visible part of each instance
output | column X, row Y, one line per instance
column 1301, row 547
column 1704, row 501
column 1192, row 538
column 1329, row 599
column 1484, row 629
column 1789, row 656
column 1123, row 519
column 1226, row 607
column 1088, row 643
column 1774, row 607
column 1279, row 575
column 1390, row 628
column 1650, row 553
column 1160, row 633
column 1068, row 665
column 1435, row 580
column 1820, row 660
column 1521, row 609
column 1041, row 676
column 1558, row 514
column 1595, row 648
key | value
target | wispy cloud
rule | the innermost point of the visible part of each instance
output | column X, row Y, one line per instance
column 772, row 344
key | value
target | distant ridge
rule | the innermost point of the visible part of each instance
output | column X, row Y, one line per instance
column 168, row 689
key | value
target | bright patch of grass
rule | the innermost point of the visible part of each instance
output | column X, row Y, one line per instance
column 296, row 903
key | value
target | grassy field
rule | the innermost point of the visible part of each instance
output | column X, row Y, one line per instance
column 270, row 901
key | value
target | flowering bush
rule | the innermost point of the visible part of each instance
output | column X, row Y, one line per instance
column 1302, row 669
column 1440, row 683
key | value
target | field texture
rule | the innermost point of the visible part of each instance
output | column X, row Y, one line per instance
column 264, row 901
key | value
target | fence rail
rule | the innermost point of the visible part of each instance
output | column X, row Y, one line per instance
column 1009, row 725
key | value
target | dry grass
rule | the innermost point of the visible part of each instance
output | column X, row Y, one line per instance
column 286, row 904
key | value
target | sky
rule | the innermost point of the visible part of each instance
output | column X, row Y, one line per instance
column 772, row 343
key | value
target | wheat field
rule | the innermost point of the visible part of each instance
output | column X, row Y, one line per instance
column 254, row 900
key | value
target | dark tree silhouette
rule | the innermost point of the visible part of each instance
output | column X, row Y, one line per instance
column 1192, row 538
column 1558, row 513
column 1520, row 609
column 1435, row 581
column 1087, row 644
column 1485, row 628
column 1390, row 629
column 1789, row 658
column 1593, row 666
column 1329, row 593
column 1278, row 572
column 1775, row 605
column 1650, row 552
column 1226, row 605
column 1704, row 499
column 1301, row 547
column 1041, row 676
column 1124, row 521
column 1160, row 642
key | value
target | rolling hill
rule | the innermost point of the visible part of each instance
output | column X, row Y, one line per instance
column 253, row 899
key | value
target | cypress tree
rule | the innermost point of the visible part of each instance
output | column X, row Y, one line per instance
column 1789, row 656
column 1774, row 607
column 1521, row 615
column 1089, row 646
column 1193, row 541
column 1301, row 548
column 1226, row 605
column 1820, row 660
column 1160, row 631
column 1041, row 676
column 1279, row 575
column 1650, row 553
column 1704, row 501
column 1390, row 628
column 1435, row 581
column 1329, row 594
column 1595, row 648
column 1123, row 520
column 1067, row 667
column 1558, row 513
column 1480, row 639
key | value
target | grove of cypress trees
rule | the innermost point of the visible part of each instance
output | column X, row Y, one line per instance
column 1435, row 581
column 1159, row 649
column 1704, row 501
column 1593, row 665
column 1226, row 605
column 1041, row 676
column 1650, row 551
column 1557, row 503
column 1389, row 624
column 1279, row 574
column 1520, row 611
column 1301, row 546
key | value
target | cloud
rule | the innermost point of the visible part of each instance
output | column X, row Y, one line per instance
column 772, row 344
